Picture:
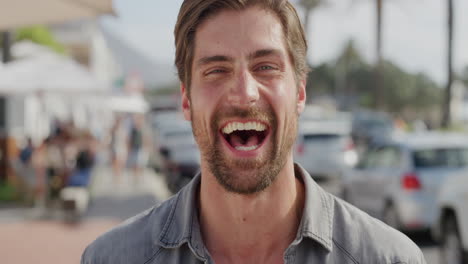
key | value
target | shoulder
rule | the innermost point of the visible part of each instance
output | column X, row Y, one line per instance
column 133, row 241
column 364, row 238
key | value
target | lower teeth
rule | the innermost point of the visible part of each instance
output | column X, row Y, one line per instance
column 246, row 148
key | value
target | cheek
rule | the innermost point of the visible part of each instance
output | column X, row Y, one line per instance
column 203, row 108
column 284, row 96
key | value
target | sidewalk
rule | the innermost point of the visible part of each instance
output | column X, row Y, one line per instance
column 28, row 240
column 112, row 199
column 103, row 185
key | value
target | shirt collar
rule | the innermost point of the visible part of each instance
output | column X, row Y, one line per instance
column 317, row 216
column 182, row 224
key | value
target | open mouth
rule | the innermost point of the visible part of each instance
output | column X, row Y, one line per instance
column 247, row 136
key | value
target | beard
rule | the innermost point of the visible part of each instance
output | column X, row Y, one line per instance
column 245, row 175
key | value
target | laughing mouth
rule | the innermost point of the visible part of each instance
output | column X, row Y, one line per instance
column 247, row 136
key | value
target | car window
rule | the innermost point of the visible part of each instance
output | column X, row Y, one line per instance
column 368, row 160
column 388, row 157
column 451, row 158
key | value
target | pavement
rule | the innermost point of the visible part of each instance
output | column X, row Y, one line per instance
column 27, row 238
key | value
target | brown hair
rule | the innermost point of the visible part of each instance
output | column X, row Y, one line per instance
column 193, row 12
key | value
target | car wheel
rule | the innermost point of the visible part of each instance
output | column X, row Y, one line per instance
column 390, row 216
column 451, row 248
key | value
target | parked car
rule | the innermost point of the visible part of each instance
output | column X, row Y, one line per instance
column 161, row 123
column 451, row 226
column 176, row 153
column 325, row 149
column 399, row 180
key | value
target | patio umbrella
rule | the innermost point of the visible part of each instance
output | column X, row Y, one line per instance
column 48, row 73
column 20, row 13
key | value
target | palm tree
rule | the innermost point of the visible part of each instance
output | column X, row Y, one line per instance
column 378, row 90
column 379, row 67
column 446, row 116
column 309, row 6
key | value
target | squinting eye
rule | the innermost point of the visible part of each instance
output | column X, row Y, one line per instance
column 216, row 71
column 265, row 68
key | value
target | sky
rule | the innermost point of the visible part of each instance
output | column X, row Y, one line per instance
column 414, row 31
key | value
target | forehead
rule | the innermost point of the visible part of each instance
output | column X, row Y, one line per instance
column 238, row 33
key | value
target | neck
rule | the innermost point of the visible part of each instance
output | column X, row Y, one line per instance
column 251, row 228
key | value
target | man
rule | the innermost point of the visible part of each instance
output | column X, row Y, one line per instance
column 242, row 69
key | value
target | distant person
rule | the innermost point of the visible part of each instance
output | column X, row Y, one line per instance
column 84, row 161
column 26, row 153
column 138, row 146
column 24, row 167
column 75, row 196
column 118, row 148
column 242, row 67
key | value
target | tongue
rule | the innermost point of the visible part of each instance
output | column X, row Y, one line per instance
column 237, row 141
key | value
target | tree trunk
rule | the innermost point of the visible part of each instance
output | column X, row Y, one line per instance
column 306, row 27
column 306, row 32
column 446, row 115
column 6, row 45
column 379, row 91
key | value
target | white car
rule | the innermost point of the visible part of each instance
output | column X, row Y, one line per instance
column 399, row 180
column 451, row 227
column 325, row 149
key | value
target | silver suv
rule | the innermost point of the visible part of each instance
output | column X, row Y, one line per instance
column 399, row 180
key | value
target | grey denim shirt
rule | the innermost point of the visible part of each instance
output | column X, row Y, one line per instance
column 331, row 231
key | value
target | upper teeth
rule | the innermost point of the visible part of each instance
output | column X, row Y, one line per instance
column 235, row 126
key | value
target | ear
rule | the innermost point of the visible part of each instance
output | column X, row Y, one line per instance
column 185, row 102
column 301, row 96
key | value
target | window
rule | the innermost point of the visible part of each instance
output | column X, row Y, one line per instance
column 443, row 157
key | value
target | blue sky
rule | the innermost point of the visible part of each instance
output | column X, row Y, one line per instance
column 414, row 31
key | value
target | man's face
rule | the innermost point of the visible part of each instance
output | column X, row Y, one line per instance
column 244, row 99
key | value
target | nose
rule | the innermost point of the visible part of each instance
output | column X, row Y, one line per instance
column 244, row 90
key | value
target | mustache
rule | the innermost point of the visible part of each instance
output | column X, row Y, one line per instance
column 264, row 115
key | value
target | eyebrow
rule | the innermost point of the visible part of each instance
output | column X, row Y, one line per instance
column 264, row 53
column 215, row 58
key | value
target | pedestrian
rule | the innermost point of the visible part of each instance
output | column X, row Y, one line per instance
column 242, row 67
column 118, row 148
column 138, row 146
column 23, row 166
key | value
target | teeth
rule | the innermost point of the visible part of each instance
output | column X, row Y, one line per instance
column 237, row 126
column 242, row 148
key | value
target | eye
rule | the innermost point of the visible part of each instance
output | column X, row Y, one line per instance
column 265, row 68
column 215, row 71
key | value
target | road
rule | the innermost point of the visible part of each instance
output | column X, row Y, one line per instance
column 28, row 240
column 429, row 248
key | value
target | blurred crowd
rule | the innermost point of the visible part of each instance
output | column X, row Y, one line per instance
column 57, row 172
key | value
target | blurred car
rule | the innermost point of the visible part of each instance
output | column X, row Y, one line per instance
column 160, row 122
column 451, row 227
column 369, row 127
column 176, row 153
column 399, row 180
column 325, row 149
